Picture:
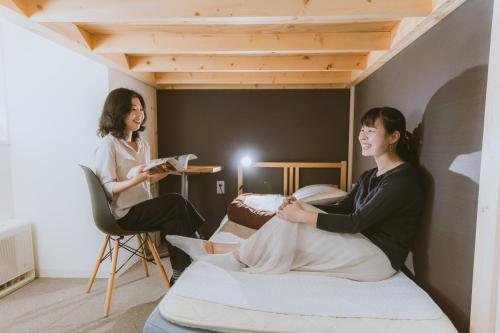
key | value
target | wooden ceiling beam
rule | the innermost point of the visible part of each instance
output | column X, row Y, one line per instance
column 255, row 78
column 255, row 43
column 250, row 86
column 242, row 63
column 301, row 27
column 72, row 32
column 167, row 43
column 14, row 6
column 120, row 59
column 221, row 11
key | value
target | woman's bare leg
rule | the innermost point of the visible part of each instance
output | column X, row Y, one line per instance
column 220, row 248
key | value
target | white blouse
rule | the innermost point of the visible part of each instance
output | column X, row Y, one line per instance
column 115, row 161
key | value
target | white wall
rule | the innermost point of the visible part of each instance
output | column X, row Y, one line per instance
column 6, row 208
column 6, row 205
column 55, row 97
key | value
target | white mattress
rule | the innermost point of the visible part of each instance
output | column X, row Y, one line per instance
column 307, row 294
column 208, row 297
column 220, row 318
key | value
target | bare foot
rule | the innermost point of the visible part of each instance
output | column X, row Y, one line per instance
column 236, row 254
column 209, row 246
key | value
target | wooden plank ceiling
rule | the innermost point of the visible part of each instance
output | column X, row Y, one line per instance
column 176, row 44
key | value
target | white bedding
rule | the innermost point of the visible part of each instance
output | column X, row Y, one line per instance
column 307, row 294
column 208, row 297
column 269, row 202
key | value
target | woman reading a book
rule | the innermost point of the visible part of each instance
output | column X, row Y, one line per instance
column 364, row 237
column 119, row 164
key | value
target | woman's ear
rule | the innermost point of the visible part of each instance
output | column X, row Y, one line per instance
column 395, row 136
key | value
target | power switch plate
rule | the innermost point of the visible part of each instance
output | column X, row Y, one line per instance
column 220, row 187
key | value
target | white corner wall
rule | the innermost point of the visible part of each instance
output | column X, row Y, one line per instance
column 54, row 99
column 6, row 205
column 6, row 202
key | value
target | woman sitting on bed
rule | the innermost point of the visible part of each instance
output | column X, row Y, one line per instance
column 364, row 237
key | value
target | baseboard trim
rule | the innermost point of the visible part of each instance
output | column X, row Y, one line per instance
column 103, row 272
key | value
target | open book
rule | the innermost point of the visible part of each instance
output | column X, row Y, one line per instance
column 175, row 163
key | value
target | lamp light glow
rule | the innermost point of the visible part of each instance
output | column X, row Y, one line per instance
column 246, row 161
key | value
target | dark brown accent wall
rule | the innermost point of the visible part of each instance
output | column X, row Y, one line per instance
column 439, row 82
column 221, row 126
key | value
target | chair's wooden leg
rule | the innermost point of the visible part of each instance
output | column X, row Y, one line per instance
column 143, row 250
column 152, row 248
column 97, row 263
column 111, row 280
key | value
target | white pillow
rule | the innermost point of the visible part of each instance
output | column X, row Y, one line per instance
column 319, row 194
column 267, row 202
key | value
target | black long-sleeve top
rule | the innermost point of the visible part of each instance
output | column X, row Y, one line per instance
column 386, row 209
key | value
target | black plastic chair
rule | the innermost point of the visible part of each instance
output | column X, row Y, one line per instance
column 105, row 221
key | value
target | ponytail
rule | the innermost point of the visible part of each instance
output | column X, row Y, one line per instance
column 406, row 148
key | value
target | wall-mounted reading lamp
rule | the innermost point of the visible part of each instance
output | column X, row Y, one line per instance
column 245, row 162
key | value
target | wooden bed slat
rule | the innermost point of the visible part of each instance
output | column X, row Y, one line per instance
column 343, row 176
column 296, row 187
column 285, row 182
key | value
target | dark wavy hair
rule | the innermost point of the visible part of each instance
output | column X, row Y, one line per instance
column 393, row 120
column 116, row 107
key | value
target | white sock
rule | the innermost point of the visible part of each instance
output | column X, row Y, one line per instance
column 226, row 261
column 192, row 246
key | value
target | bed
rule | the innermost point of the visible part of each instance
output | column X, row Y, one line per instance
column 207, row 298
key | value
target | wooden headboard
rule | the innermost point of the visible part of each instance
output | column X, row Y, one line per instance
column 291, row 173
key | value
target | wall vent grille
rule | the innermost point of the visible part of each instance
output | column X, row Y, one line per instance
column 16, row 256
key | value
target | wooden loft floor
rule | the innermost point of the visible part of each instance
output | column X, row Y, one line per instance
column 192, row 44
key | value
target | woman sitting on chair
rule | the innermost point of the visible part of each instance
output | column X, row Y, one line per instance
column 365, row 237
column 120, row 160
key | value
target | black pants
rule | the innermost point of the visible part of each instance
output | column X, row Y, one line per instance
column 169, row 213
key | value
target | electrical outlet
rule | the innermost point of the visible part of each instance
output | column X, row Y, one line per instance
column 220, row 187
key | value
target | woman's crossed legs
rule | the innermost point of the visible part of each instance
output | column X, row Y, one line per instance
column 280, row 246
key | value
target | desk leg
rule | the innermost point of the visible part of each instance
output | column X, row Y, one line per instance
column 184, row 186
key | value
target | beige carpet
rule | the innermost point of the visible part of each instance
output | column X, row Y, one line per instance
column 61, row 305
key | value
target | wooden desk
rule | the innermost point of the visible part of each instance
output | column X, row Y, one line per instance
column 194, row 170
